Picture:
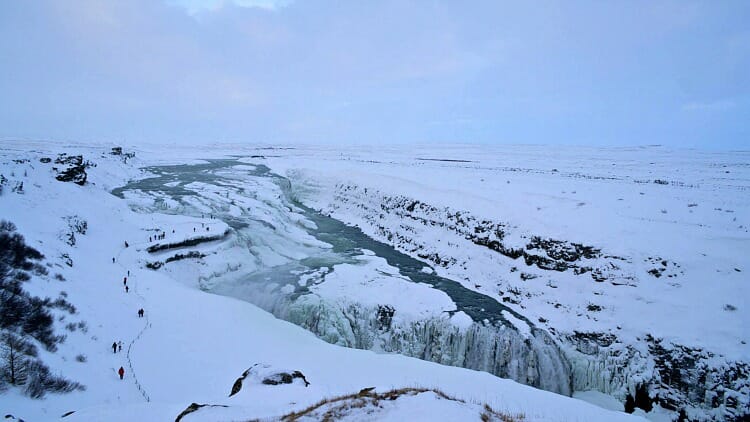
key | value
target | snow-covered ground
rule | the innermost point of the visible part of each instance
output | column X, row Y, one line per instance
column 192, row 345
column 669, row 229
column 698, row 222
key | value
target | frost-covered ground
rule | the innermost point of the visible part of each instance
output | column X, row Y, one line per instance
column 464, row 217
column 698, row 222
column 638, row 256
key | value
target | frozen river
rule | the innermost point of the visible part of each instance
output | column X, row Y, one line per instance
column 515, row 349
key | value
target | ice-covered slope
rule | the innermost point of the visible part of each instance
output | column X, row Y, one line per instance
column 191, row 346
column 635, row 258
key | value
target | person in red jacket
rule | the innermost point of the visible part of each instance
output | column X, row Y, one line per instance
column 121, row 371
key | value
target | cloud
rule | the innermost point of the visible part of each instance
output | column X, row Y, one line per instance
column 367, row 71
column 196, row 7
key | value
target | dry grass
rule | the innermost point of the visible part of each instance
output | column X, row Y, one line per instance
column 490, row 414
column 341, row 405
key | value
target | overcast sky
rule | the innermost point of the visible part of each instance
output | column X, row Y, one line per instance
column 629, row 72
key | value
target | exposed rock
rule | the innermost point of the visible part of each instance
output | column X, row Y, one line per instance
column 385, row 317
column 76, row 170
column 186, row 243
column 237, row 386
column 154, row 265
column 590, row 342
column 267, row 375
column 284, row 378
column 688, row 379
column 194, row 407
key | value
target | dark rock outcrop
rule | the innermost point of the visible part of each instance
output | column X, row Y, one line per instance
column 237, row 386
column 75, row 171
column 686, row 378
column 194, row 407
column 186, row 243
column 284, row 378
column 385, row 317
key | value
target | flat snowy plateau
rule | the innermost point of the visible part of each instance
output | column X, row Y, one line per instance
column 616, row 276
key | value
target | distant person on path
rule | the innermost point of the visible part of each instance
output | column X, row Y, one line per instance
column 126, row 244
column 119, row 346
column 140, row 313
column 126, row 289
column 149, row 238
column 128, row 273
column 113, row 259
column 121, row 371
column 114, row 347
column 124, row 281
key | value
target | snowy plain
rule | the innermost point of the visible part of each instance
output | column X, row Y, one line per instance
column 193, row 344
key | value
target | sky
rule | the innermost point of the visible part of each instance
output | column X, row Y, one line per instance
column 601, row 73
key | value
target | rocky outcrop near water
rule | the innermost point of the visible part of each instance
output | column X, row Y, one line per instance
column 193, row 241
column 534, row 251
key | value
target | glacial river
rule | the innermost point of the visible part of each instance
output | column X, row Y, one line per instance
column 492, row 343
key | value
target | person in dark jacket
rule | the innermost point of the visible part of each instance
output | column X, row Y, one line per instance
column 121, row 371
column 114, row 347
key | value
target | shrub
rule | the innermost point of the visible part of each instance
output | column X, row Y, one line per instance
column 26, row 319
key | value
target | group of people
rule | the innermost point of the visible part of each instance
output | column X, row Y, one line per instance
column 159, row 236
column 117, row 345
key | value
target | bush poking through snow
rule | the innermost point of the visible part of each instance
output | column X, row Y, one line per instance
column 26, row 320
column 491, row 415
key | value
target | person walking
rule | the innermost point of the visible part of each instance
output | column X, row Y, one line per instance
column 126, row 244
column 113, row 259
column 121, row 371
column 119, row 346
column 126, row 289
column 114, row 347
